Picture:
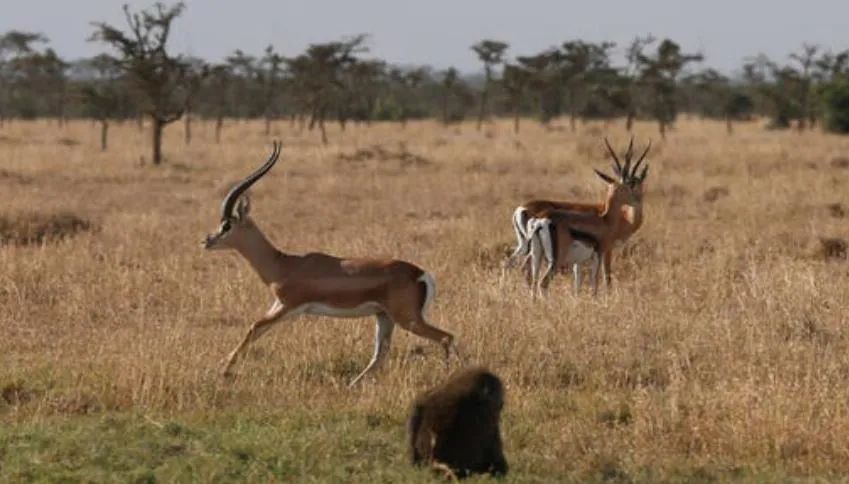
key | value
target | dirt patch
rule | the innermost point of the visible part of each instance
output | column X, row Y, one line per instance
column 15, row 393
column 840, row 162
column 40, row 228
column 15, row 177
column 833, row 248
column 715, row 193
column 381, row 154
column 837, row 210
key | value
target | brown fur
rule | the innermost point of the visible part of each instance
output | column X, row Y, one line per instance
column 456, row 424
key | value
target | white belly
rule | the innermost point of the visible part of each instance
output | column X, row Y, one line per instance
column 320, row 309
column 579, row 252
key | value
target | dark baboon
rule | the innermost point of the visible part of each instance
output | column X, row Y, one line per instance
column 456, row 424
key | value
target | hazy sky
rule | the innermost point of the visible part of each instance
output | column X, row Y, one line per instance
column 439, row 32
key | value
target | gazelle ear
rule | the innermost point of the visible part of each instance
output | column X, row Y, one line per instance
column 243, row 207
column 604, row 177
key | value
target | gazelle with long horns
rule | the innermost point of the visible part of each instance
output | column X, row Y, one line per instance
column 527, row 216
column 394, row 291
column 566, row 238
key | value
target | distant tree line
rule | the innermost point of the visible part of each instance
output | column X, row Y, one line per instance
column 139, row 78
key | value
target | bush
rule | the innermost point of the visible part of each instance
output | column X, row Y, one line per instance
column 37, row 228
column 835, row 104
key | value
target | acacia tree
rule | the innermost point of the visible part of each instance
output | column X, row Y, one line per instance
column 315, row 77
column 491, row 53
column 806, row 60
column 101, row 94
column 448, row 84
column 220, row 81
column 659, row 72
column 582, row 64
column 159, row 79
column 515, row 81
column 15, row 48
column 543, row 81
column 196, row 71
column 272, row 71
column 630, row 78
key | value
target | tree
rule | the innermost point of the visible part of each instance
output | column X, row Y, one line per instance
column 159, row 80
column 15, row 48
column 196, row 71
column 543, row 81
column 448, row 84
column 272, row 70
column 659, row 73
column 835, row 104
column 316, row 76
column 631, row 77
column 582, row 65
column 101, row 95
column 491, row 53
column 220, row 82
column 515, row 81
column 806, row 60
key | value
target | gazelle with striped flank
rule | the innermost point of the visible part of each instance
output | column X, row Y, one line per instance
column 394, row 291
column 527, row 215
column 566, row 238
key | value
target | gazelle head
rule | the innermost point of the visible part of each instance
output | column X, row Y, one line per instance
column 235, row 208
column 626, row 186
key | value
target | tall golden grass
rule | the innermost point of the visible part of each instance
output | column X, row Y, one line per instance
column 723, row 341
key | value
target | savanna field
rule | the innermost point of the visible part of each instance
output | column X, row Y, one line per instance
column 721, row 352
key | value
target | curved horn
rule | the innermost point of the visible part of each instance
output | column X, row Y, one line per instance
column 629, row 153
column 236, row 191
column 642, row 157
column 618, row 167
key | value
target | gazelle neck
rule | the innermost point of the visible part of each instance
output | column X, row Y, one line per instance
column 258, row 251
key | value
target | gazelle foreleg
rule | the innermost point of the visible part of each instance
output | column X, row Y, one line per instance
column 382, row 341
column 276, row 313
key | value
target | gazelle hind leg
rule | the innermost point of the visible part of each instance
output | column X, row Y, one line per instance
column 276, row 313
column 519, row 222
column 382, row 341
column 576, row 273
column 596, row 262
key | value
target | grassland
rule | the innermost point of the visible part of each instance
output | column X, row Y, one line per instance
column 722, row 351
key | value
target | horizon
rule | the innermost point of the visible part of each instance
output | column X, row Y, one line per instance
column 419, row 35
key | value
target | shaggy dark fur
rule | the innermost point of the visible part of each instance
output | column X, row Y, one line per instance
column 456, row 424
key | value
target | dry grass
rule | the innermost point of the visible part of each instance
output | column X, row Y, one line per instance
column 723, row 345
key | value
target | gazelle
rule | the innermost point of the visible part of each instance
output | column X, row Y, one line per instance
column 566, row 238
column 526, row 216
column 394, row 291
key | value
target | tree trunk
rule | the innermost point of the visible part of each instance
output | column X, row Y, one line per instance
column 572, row 121
column 188, row 127
column 662, row 126
column 104, row 130
column 729, row 128
column 483, row 104
column 629, row 121
column 140, row 121
column 323, row 131
column 267, row 124
column 156, row 129
column 516, row 118
column 219, row 122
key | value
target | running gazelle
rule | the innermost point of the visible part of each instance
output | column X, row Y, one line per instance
column 394, row 291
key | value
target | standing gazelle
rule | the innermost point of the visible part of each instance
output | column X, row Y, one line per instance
column 566, row 238
column 627, row 218
column 394, row 291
